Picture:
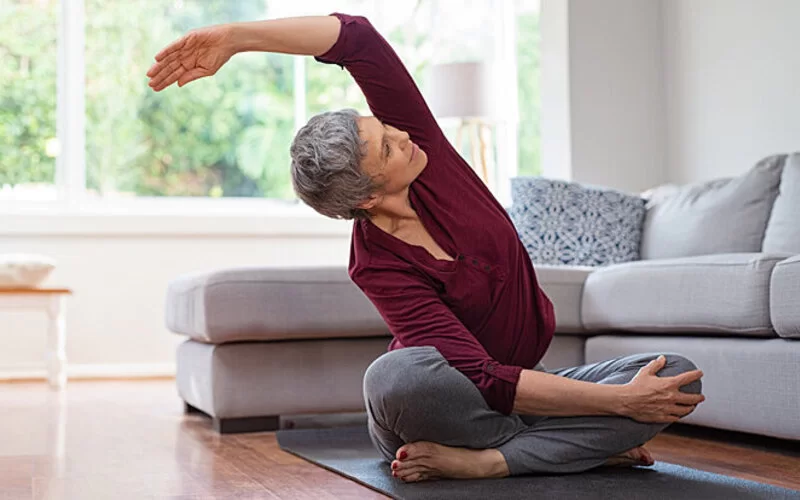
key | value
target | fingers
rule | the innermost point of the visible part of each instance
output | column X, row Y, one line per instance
column 169, row 80
column 168, row 66
column 654, row 366
column 663, row 419
column 684, row 398
column 159, row 65
column 687, row 378
column 166, row 73
column 683, row 410
column 173, row 47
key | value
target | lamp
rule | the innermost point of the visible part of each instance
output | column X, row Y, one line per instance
column 466, row 91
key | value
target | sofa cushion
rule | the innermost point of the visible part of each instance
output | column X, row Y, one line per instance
column 785, row 297
column 726, row 294
column 270, row 304
column 564, row 286
column 564, row 223
column 719, row 216
column 783, row 230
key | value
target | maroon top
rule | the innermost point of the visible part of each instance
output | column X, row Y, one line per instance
column 483, row 311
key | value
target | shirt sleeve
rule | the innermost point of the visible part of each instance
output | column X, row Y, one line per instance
column 391, row 93
column 417, row 317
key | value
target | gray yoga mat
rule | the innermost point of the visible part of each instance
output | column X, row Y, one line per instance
column 349, row 452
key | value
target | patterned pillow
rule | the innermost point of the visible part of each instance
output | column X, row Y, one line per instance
column 564, row 223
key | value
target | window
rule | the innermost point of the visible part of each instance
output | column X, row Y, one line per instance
column 28, row 66
column 528, row 87
column 220, row 136
column 225, row 136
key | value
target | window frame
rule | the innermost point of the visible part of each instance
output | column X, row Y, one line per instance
column 70, row 170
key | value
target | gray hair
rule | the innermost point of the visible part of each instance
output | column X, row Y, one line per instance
column 326, row 165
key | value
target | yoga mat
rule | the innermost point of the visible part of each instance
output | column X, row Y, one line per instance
column 348, row 451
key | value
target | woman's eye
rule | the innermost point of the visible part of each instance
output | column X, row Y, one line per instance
column 388, row 150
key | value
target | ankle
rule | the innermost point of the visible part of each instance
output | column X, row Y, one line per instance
column 493, row 463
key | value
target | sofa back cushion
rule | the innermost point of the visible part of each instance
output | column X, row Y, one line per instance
column 783, row 230
column 565, row 223
column 718, row 216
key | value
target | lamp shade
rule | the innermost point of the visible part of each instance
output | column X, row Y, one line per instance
column 462, row 90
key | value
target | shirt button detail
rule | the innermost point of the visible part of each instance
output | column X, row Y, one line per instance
column 460, row 257
column 474, row 262
column 486, row 268
column 490, row 368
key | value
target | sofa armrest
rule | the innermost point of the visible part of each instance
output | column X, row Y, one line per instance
column 564, row 286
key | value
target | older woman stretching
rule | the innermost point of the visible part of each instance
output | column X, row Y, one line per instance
column 460, row 394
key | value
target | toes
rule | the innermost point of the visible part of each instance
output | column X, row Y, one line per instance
column 406, row 474
column 416, row 473
column 415, row 450
column 404, row 465
column 413, row 478
column 643, row 455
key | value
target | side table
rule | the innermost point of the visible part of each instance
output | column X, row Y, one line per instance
column 52, row 302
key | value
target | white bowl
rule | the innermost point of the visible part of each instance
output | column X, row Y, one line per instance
column 24, row 270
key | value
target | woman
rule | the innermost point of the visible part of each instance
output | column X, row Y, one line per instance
column 460, row 393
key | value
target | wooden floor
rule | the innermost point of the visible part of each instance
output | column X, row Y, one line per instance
column 130, row 440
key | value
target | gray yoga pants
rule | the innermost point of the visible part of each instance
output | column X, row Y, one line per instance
column 413, row 394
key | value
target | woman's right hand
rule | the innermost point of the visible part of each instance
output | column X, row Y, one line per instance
column 653, row 399
column 199, row 53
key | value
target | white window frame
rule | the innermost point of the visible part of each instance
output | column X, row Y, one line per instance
column 76, row 212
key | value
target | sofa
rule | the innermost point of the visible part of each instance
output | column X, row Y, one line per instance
column 717, row 279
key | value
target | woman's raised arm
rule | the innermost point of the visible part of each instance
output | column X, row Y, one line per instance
column 349, row 41
column 201, row 52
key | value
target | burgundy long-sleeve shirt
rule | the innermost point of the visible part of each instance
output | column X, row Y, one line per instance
column 483, row 311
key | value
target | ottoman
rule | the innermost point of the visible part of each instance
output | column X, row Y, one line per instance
column 268, row 342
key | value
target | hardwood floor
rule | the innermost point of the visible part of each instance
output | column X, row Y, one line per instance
column 131, row 440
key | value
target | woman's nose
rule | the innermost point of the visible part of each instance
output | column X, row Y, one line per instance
column 404, row 139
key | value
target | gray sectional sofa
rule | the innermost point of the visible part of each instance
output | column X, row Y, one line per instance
column 718, row 281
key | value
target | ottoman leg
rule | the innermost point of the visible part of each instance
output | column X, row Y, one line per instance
column 191, row 410
column 248, row 424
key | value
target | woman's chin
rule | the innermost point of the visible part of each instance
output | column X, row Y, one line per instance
column 422, row 159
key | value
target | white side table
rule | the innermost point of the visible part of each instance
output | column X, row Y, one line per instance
column 52, row 302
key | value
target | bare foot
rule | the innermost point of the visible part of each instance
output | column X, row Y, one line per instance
column 422, row 460
column 630, row 458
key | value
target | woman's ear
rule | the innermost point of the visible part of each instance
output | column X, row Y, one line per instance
column 370, row 202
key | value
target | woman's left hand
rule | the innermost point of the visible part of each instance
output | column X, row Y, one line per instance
column 199, row 53
column 653, row 399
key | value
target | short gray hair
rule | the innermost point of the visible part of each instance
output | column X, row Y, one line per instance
column 326, row 165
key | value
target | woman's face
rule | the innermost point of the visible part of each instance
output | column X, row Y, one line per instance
column 391, row 158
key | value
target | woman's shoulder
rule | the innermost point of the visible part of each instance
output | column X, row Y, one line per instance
column 368, row 256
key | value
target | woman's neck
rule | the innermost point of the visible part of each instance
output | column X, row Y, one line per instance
column 393, row 211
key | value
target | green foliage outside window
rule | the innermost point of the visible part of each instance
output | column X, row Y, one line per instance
column 27, row 90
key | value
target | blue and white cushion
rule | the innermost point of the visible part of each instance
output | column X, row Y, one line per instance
column 565, row 223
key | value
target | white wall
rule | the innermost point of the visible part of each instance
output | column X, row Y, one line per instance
column 602, row 92
column 556, row 135
column 733, row 84
column 115, row 320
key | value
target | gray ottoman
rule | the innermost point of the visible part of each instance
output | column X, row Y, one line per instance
column 270, row 342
